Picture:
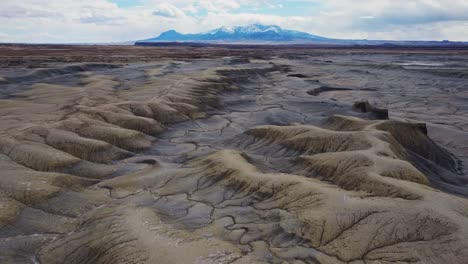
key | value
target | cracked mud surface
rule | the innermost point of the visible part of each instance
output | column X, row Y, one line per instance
column 173, row 155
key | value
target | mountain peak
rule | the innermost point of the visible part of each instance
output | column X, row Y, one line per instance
column 249, row 33
column 259, row 28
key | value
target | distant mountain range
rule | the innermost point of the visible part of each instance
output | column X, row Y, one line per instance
column 271, row 34
column 254, row 32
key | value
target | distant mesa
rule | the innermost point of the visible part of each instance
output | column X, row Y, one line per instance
column 272, row 34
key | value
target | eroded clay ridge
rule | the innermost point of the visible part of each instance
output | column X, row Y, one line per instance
column 73, row 188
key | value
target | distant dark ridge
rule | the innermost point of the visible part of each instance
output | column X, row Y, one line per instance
column 235, row 46
column 438, row 46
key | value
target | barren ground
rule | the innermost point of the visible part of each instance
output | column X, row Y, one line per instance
column 120, row 154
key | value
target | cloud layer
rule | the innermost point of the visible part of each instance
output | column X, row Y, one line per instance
column 71, row 21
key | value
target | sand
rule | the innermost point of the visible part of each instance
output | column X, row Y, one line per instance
column 233, row 155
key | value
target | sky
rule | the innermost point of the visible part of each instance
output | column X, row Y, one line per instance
column 94, row 21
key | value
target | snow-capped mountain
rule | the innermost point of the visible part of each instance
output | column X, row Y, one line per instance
column 258, row 34
column 250, row 33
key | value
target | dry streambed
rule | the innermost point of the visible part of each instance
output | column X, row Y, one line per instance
column 221, row 161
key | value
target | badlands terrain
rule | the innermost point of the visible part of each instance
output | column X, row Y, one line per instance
column 120, row 154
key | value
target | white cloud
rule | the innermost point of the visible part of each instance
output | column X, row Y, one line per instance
column 168, row 10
